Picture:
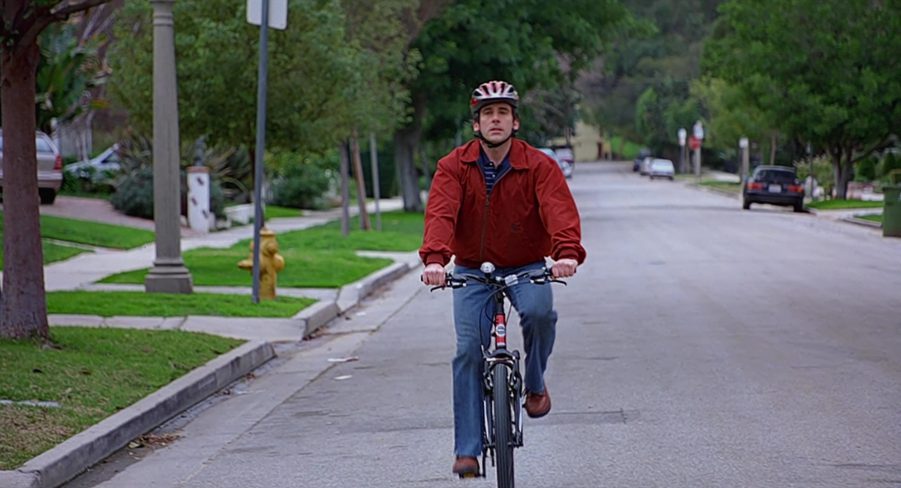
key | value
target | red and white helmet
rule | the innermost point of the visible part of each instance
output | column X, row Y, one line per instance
column 491, row 92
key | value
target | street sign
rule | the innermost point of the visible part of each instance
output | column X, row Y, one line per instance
column 278, row 13
column 743, row 143
column 694, row 143
column 682, row 134
column 698, row 130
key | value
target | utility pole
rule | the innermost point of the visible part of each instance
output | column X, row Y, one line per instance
column 168, row 274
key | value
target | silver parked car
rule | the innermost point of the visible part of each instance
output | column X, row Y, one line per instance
column 661, row 168
column 50, row 167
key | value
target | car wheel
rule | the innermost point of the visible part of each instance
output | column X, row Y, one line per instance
column 671, row 178
column 799, row 207
column 746, row 204
column 47, row 195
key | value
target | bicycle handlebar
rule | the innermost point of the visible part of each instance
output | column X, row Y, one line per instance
column 540, row 277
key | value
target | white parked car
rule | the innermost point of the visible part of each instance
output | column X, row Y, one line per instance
column 98, row 168
column 661, row 168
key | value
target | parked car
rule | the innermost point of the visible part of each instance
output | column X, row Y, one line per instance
column 567, row 160
column 661, row 168
column 642, row 153
column 776, row 185
column 99, row 168
column 50, row 167
column 645, row 168
column 565, row 168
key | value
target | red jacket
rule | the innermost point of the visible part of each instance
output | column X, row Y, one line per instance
column 529, row 215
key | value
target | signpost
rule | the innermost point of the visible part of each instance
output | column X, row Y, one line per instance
column 682, row 134
column 259, row 13
column 697, row 139
column 743, row 144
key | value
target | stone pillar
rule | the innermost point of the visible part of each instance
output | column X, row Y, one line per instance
column 200, row 218
column 169, row 274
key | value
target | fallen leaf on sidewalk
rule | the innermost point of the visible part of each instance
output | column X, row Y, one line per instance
column 343, row 360
column 343, row 377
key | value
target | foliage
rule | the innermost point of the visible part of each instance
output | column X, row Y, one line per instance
column 837, row 204
column 134, row 193
column 659, row 51
column 92, row 373
column 542, row 46
column 822, row 172
column 301, row 182
column 890, row 162
column 822, row 71
column 309, row 106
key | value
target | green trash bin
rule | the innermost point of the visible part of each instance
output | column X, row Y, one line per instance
column 891, row 211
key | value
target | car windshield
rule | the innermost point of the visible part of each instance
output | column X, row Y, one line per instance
column 661, row 164
column 775, row 176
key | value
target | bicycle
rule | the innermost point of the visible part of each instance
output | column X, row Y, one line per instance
column 504, row 389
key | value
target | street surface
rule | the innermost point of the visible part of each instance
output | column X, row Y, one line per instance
column 699, row 346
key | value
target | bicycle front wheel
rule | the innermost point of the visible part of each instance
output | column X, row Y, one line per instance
column 503, row 427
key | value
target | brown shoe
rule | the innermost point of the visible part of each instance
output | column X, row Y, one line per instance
column 466, row 466
column 538, row 404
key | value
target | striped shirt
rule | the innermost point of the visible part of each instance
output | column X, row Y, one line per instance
column 490, row 172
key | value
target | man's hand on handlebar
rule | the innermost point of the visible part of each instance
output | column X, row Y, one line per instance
column 564, row 268
column 434, row 275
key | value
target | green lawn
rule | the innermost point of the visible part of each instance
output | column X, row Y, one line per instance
column 318, row 257
column 274, row 212
column 52, row 252
column 91, row 233
column 722, row 185
column 836, row 204
column 90, row 374
column 137, row 303
column 872, row 217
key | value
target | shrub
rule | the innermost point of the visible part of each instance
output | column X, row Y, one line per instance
column 134, row 193
column 301, row 182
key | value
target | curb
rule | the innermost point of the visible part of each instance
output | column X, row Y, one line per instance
column 68, row 459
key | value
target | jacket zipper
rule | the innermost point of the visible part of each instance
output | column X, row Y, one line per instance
column 487, row 211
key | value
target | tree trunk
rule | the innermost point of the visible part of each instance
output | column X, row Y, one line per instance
column 358, row 177
column 406, row 141
column 773, row 142
column 23, row 311
column 843, row 162
column 345, row 211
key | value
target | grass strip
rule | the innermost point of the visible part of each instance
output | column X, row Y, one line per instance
column 871, row 217
column 52, row 252
column 837, row 204
column 722, row 185
column 318, row 257
column 90, row 373
column 141, row 304
column 92, row 233
column 275, row 212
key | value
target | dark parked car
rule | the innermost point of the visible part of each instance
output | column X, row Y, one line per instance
column 776, row 185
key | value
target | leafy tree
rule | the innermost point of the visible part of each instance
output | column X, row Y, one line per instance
column 23, row 305
column 309, row 103
column 532, row 44
column 825, row 72
column 660, row 51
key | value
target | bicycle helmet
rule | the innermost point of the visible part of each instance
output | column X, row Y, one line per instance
column 491, row 92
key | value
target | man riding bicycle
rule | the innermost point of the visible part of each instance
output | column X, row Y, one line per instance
column 498, row 199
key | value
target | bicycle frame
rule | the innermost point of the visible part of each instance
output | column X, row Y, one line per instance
column 497, row 356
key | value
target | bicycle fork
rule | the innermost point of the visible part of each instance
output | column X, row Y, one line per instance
column 500, row 356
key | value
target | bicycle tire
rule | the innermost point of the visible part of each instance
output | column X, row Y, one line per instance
column 503, row 427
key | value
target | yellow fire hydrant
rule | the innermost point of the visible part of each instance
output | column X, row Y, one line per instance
column 271, row 262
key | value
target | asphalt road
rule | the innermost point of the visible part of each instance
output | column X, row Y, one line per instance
column 699, row 346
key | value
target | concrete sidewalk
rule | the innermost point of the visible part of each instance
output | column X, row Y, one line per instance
column 65, row 461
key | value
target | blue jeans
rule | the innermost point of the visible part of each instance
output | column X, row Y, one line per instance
column 472, row 322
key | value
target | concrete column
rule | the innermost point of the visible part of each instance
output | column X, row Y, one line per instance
column 200, row 218
column 169, row 274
